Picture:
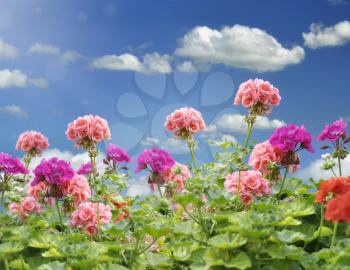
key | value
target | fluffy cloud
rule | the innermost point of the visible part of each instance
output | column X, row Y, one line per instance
column 236, row 123
column 314, row 170
column 17, row 78
column 213, row 132
column 7, row 50
column 138, row 187
column 152, row 63
column 186, row 66
column 13, row 110
column 321, row 36
column 63, row 56
column 238, row 46
column 171, row 145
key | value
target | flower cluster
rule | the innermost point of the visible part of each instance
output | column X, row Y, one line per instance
column 292, row 138
column 53, row 171
column 185, row 122
column 89, row 215
column 251, row 184
column 85, row 169
column 117, row 154
column 88, row 130
column 335, row 193
column 32, row 142
column 10, row 165
column 156, row 160
column 263, row 155
column 333, row 131
column 26, row 207
column 78, row 188
column 258, row 96
column 177, row 176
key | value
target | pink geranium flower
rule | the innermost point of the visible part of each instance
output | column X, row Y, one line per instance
column 333, row 131
column 32, row 142
column 177, row 175
column 77, row 187
column 26, row 207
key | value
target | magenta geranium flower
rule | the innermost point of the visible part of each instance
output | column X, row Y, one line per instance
column 292, row 138
column 155, row 160
column 117, row 154
column 53, row 171
column 333, row 131
column 11, row 165
column 85, row 169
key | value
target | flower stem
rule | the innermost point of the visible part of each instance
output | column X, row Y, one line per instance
column 333, row 172
column 321, row 222
column 339, row 165
column 159, row 190
column 2, row 195
column 334, row 233
column 191, row 144
column 59, row 215
column 6, row 263
column 247, row 137
column 284, row 179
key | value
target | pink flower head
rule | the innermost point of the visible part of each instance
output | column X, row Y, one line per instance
column 178, row 174
column 85, row 169
column 88, row 130
column 87, row 216
column 78, row 188
column 32, row 142
column 333, row 131
column 252, row 184
column 53, row 171
column 26, row 207
column 156, row 160
column 257, row 95
column 10, row 165
column 38, row 191
column 263, row 154
column 292, row 138
column 185, row 122
column 117, row 154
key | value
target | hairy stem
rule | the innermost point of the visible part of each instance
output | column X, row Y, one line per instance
column 59, row 215
column 339, row 165
column 334, row 236
column 284, row 179
column 247, row 137
column 322, row 221
column 191, row 145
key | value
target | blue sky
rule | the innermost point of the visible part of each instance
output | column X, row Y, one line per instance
column 133, row 62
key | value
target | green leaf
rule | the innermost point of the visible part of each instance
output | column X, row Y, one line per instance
column 19, row 264
column 288, row 236
column 53, row 266
column 184, row 228
column 182, row 253
column 156, row 229
column 42, row 241
column 216, row 257
column 227, row 240
column 52, row 253
column 277, row 251
column 297, row 208
column 11, row 247
column 289, row 221
column 157, row 260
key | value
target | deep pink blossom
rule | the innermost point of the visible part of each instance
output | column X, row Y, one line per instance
column 292, row 138
column 11, row 165
column 252, row 184
column 156, row 160
column 32, row 142
column 333, row 131
column 185, row 122
column 85, row 169
column 53, row 171
column 117, row 154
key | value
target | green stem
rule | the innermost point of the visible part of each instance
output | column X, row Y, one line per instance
column 159, row 190
column 339, row 165
column 334, row 233
column 6, row 263
column 2, row 195
column 59, row 215
column 247, row 137
column 333, row 172
column 191, row 145
column 239, row 183
column 322, row 221
column 284, row 179
column 148, row 247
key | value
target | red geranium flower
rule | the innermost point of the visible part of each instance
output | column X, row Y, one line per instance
column 338, row 209
column 336, row 186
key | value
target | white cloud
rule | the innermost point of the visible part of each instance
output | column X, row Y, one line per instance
column 63, row 56
column 13, row 110
column 236, row 123
column 314, row 170
column 238, row 46
column 138, row 187
column 186, row 66
column 7, row 50
column 321, row 36
column 152, row 63
column 170, row 144
column 17, row 78
column 338, row 2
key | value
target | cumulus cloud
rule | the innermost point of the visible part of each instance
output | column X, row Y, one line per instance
column 17, row 78
column 7, row 51
column 321, row 36
column 138, row 187
column 213, row 132
column 236, row 123
column 186, row 66
column 13, row 110
column 314, row 170
column 66, row 56
column 238, row 46
column 152, row 63
column 170, row 144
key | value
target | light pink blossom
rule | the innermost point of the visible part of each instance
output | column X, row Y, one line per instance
column 32, row 142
